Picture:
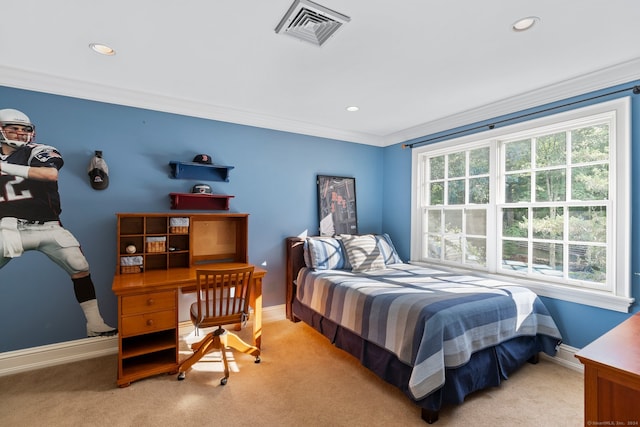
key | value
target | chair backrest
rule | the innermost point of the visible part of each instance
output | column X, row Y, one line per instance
column 223, row 296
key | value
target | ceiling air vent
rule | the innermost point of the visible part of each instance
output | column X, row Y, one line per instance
column 311, row 22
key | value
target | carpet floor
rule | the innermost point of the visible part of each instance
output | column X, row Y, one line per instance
column 302, row 381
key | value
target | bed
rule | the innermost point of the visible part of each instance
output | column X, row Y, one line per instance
column 436, row 335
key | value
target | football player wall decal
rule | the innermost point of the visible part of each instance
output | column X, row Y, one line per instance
column 30, row 209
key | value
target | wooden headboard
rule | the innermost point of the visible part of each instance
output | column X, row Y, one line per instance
column 295, row 261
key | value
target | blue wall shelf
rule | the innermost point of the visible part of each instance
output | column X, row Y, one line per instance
column 191, row 170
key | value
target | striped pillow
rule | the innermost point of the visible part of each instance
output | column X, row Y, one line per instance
column 389, row 253
column 363, row 252
column 324, row 253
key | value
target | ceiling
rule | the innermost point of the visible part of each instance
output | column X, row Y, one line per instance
column 413, row 67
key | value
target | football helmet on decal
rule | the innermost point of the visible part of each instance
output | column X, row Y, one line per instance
column 18, row 137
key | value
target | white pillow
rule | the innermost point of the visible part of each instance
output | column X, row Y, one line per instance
column 363, row 252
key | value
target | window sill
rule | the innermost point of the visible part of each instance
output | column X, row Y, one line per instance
column 588, row 297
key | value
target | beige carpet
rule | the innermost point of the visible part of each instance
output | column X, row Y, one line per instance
column 302, row 381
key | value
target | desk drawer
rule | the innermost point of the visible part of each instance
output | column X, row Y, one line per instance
column 145, row 303
column 149, row 322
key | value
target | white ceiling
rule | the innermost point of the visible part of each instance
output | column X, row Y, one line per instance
column 412, row 66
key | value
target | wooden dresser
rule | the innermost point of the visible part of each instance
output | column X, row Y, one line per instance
column 612, row 376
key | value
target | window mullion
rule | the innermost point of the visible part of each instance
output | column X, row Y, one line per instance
column 492, row 211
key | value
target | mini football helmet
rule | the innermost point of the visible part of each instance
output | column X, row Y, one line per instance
column 205, row 159
column 10, row 117
column 201, row 189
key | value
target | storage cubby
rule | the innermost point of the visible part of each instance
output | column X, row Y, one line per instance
column 156, row 225
column 148, row 344
column 155, row 246
column 164, row 241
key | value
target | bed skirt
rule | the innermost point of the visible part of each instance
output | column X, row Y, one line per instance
column 486, row 368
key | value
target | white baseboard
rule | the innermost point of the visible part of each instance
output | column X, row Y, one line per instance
column 566, row 357
column 13, row 362
column 273, row 313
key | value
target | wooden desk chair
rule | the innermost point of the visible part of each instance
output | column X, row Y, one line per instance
column 223, row 299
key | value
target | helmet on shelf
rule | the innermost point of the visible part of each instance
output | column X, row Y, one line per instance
column 205, row 159
column 201, row 189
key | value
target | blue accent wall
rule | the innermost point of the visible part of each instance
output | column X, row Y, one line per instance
column 579, row 324
column 273, row 180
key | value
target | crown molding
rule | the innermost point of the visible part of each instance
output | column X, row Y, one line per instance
column 41, row 82
column 607, row 77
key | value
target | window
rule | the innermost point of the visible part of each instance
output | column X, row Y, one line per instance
column 544, row 203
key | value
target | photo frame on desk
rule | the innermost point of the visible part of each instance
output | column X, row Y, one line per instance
column 337, row 210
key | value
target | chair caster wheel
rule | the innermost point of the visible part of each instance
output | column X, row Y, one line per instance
column 257, row 359
column 223, row 381
column 181, row 376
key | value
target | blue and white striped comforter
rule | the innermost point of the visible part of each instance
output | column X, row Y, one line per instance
column 430, row 319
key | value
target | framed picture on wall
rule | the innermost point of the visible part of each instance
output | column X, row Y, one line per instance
column 337, row 212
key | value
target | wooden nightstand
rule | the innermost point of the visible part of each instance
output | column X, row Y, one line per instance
column 612, row 376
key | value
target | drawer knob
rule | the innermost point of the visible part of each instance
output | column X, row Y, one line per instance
column 150, row 322
column 150, row 301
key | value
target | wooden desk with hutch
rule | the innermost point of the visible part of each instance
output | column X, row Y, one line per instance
column 166, row 256
column 612, row 376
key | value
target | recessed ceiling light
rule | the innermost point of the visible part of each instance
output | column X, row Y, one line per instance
column 525, row 24
column 352, row 108
column 102, row 49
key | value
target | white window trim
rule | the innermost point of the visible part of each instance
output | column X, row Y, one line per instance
column 619, row 299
